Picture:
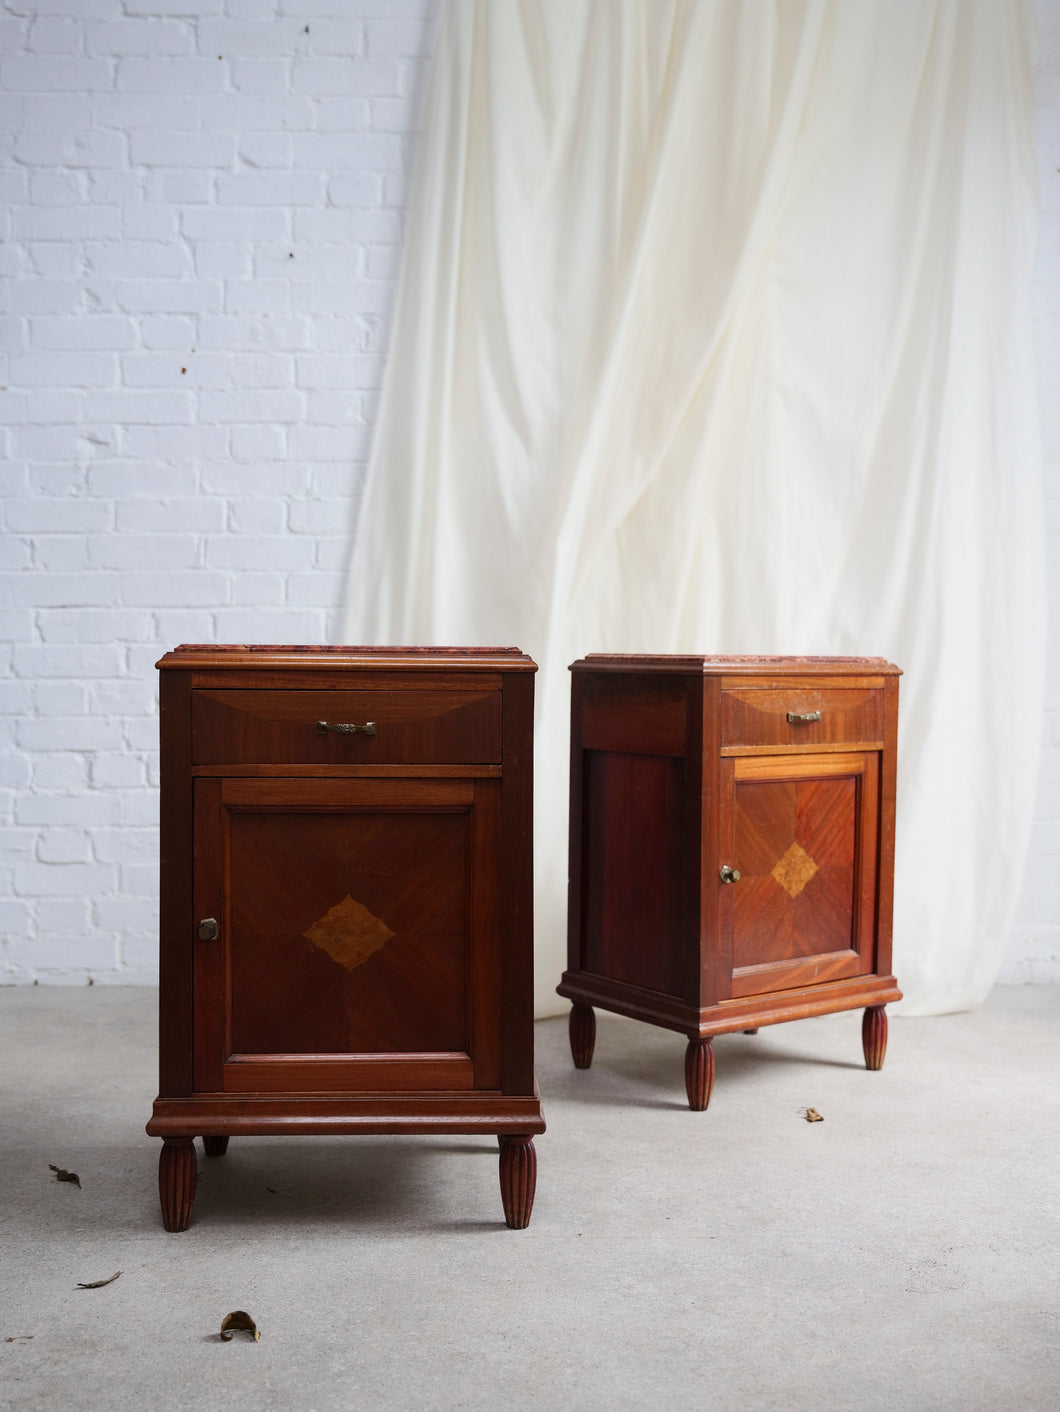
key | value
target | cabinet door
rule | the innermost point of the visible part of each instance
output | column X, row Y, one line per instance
column 803, row 838
column 357, row 946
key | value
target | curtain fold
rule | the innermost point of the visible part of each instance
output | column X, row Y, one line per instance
column 713, row 335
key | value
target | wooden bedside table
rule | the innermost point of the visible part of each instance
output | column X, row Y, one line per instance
column 731, row 846
column 346, row 931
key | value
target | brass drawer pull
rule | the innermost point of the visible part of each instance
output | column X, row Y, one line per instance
column 795, row 716
column 343, row 729
column 728, row 874
column 208, row 929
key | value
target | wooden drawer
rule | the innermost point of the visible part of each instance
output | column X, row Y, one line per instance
column 763, row 718
column 407, row 727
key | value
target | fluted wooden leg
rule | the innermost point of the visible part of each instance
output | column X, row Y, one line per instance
column 215, row 1146
column 518, row 1168
column 177, row 1171
column 874, row 1035
column 699, row 1073
column 582, row 1031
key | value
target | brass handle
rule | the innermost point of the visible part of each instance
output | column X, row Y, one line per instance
column 729, row 875
column 794, row 716
column 341, row 728
column 208, row 929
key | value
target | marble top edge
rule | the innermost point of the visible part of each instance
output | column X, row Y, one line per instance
column 736, row 663
column 263, row 654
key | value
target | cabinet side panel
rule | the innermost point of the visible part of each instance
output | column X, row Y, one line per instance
column 634, row 809
column 175, row 959
column 516, row 938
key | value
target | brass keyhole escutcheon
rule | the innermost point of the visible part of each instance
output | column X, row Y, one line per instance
column 729, row 875
column 208, row 929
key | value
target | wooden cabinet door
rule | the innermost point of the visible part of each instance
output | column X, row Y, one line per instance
column 802, row 834
column 357, row 946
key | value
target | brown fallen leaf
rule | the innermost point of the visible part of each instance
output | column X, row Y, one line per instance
column 62, row 1175
column 812, row 1116
column 98, row 1284
column 241, row 1320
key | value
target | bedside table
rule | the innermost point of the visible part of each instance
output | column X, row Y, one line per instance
column 346, row 930
column 731, row 846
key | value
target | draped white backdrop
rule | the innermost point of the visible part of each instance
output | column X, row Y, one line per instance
column 713, row 335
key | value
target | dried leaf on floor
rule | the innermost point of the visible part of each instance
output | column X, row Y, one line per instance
column 239, row 1320
column 812, row 1116
column 62, row 1175
column 98, row 1284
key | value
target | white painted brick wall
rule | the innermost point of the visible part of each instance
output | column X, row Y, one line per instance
column 201, row 209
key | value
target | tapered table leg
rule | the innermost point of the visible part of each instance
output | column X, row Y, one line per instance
column 582, row 1031
column 215, row 1146
column 874, row 1035
column 518, row 1170
column 177, row 1172
column 699, row 1073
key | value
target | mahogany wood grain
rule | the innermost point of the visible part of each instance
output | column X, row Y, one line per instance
column 686, row 768
column 631, row 714
column 874, row 1036
column 409, row 727
column 771, row 680
column 177, row 1175
column 757, row 717
column 512, row 888
column 728, row 1016
column 350, row 772
column 699, row 1073
column 885, row 839
column 175, row 961
column 634, row 810
column 518, row 1177
column 709, row 904
column 581, row 1030
column 364, row 962
column 348, row 1073
column 239, row 1115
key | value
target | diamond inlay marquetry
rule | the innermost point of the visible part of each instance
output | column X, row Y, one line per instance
column 794, row 870
column 349, row 933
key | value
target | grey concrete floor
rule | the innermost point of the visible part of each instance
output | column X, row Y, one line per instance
column 900, row 1254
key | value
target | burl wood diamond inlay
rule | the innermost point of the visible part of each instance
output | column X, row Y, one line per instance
column 794, row 870
column 349, row 933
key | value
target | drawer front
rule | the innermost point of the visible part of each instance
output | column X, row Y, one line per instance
column 298, row 727
column 801, row 715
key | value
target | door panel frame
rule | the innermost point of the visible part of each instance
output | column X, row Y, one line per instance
column 217, row 1068
column 859, row 960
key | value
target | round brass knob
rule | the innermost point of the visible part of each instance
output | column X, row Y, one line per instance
column 729, row 875
column 208, row 929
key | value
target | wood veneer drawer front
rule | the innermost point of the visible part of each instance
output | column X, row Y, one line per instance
column 801, row 715
column 405, row 727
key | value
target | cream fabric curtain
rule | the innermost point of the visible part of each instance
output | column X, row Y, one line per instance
column 713, row 335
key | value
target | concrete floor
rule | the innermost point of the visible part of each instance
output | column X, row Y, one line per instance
column 900, row 1254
